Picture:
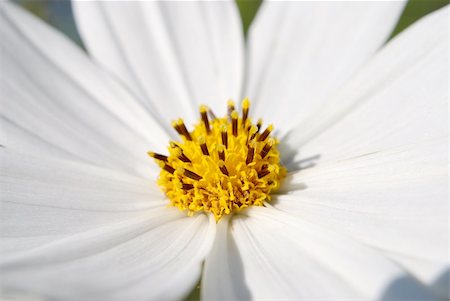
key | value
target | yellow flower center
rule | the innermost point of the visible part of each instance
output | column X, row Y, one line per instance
column 224, row 165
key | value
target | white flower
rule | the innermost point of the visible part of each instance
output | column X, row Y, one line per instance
column 83, row 219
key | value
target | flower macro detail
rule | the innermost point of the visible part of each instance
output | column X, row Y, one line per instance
column 224, row 165
column 347, row 199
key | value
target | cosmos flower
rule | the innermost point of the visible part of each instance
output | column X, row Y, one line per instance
column 361, row 129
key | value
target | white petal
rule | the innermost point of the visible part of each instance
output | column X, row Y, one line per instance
column 43, row 200
column 395, row 201
column 381, row 154
column 282, row 257
column 380, row 150
column 400, row 99
column 302, row 52
column 154, row 256
column 70, row 231
column 174, row 54
column 223, row 268
column 50, row 90
column 23, row 141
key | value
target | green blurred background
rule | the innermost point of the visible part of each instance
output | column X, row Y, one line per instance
column 59, row 14
column 414, row 10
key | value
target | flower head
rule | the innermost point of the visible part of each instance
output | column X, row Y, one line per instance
column 362, row 131
column 222, row 166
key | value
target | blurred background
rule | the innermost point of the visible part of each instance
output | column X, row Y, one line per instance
column 58, row 13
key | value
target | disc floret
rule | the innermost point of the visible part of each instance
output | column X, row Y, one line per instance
column 224, row 165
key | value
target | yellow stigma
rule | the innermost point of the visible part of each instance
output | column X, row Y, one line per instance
column 224, row 165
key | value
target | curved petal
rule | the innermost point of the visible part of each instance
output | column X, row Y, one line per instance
column 301, row 52
column 154, row 256
column 69, row 231
column 222, row 273
column 400, row 99
column 381, row 156
column 46, row 199
column 395, row 201
column 286, row 258
column 20, row 139
column 174, row 54
column 51, row 91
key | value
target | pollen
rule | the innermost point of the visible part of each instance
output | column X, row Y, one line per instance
column 223, row 165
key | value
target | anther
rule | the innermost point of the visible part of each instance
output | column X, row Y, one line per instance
column 250, row 153
column 265, row 171
column 231, row 107
column 183, row 158
column 266, row 133
column 259, row 124
column 183, row 129
column 190, row 174
column 174, row 145
column 167, row 167
column 203, row 146
column 252, row 133
column 180, row 155
column 176, row 127
column 221, row 151
column 223, row 168
column 224, row 134
column 267, row 147
column 234, row 123
column 158, row 156
column 222, row 164
column 245, row 109
column 186, row 186
column 204, row 114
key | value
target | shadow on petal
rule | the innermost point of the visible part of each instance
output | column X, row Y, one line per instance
column 289, row 153
column 406, row 288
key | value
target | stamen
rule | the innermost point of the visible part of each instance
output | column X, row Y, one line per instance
column 245, row 109
column 186, row 186
column 190, row 174
column 224, row 134
column 234, row 123
column 267, row 147
column 252, row 133
column 259, row 124
column 221, row 151
column 250, row 153
column 204, row 114
column 223, row 168
column 174, row 145
column 158, row 156
column 176, row 127
column 167, row 167
column 213, row 170
column 204, row 148
column 183, row 129
column 265, row 171
column 266, row 133
column 231, row 107
column 180, row 155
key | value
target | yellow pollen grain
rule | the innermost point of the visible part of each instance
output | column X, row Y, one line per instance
column 221, row 169
column 246, row 103
column 224, row 128
column 203, row 109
